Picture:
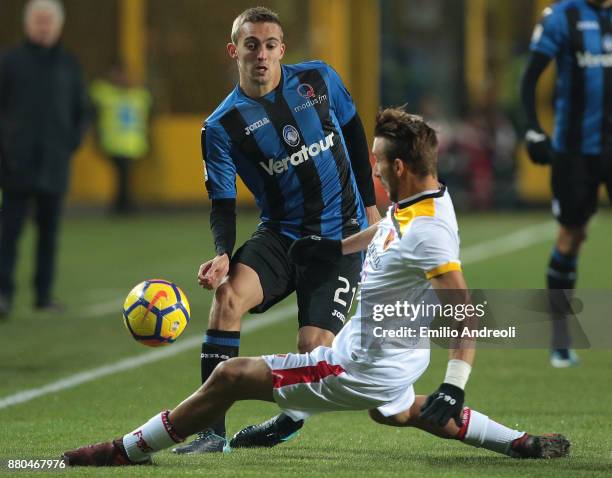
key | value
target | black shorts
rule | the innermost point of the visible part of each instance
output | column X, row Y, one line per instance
column 575, row 185
column 324, row 290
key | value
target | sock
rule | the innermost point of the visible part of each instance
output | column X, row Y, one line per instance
column 480, row 431
column 153, row 436
column 561, row 275
column 218, row 346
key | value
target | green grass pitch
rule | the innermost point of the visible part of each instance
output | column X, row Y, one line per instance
column 101, row 259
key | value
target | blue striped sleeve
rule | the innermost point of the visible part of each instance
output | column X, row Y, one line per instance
column 340, row 97
column 548, row 35
column 219, row 168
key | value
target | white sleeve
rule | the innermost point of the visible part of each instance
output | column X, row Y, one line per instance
column 432, row 247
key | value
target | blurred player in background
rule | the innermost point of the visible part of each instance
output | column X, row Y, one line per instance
column 42, row 120
column 578, row 35
column 292, row 134
column 123, row 112
column 413, row 249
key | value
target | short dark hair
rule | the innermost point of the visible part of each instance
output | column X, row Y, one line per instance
column 254, row 15
column 409, row 138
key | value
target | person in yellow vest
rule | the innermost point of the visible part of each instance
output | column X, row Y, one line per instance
column 123, row 112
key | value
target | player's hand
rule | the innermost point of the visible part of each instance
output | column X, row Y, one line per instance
column 315, row 248
column 444, row 404
column 538, row 146
column 372, row 214
column 211, row 273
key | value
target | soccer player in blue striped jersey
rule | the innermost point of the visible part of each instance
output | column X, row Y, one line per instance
column 292, row 134
column 578, row 35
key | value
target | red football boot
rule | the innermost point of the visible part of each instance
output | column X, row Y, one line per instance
column 541, row 446
column 110, row 453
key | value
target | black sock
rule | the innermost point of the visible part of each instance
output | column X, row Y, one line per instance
column 561, row 275
column 218, row 347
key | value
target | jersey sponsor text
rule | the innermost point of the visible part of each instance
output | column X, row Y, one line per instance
column 297, row 158
column 589, row 60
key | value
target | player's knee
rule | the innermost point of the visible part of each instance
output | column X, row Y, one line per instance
column 227, row 308
column 398, row 420
column 227, row 374
column 307, row 344
column 225, row 297
column 570, row 239
column 309, row 338
column 377, row 416
column 579, row 236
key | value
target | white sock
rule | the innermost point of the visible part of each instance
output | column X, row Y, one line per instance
column 155, row 435
column 480, row 431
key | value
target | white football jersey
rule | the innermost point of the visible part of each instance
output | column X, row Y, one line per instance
column 417, row 240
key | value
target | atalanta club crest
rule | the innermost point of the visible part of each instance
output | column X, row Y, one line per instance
column 291, row 136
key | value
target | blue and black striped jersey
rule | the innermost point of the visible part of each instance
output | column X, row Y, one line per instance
column 288, row 149
column 579, row 36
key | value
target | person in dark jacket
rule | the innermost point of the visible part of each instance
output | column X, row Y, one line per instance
column 42, row 121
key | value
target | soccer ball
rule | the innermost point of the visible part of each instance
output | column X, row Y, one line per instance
column 156, row 312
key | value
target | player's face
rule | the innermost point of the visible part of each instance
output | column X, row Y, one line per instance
column 258, row 52
column 385, row 169
column 43, row 27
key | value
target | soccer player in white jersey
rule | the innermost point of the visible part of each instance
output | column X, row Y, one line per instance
column 416, row 246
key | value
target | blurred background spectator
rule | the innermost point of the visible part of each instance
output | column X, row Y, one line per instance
column 42, row 121
column 122, row 128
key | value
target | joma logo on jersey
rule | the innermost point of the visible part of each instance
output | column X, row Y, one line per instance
column 258, row 124
column 588, row 60
column 297, row 158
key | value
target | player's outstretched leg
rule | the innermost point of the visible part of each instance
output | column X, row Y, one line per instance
column 282, row 428
column 480, row 431
column 235, row 379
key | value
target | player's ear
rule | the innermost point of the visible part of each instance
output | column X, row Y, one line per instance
column 282, row 51
column 232, row 51
column 398, row 166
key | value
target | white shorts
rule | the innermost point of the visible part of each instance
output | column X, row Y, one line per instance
column 316, row 382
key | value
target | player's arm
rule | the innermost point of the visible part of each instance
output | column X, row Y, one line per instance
column 316, row 248
column 223, row 228
column 360, row 241
column 536, row 64
column 223, row 225
column 455, row 287
column 446, row 402
column 538, row 142
column 220, row 177
column 357, row 146
column 355, row 140
column 548, row 39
